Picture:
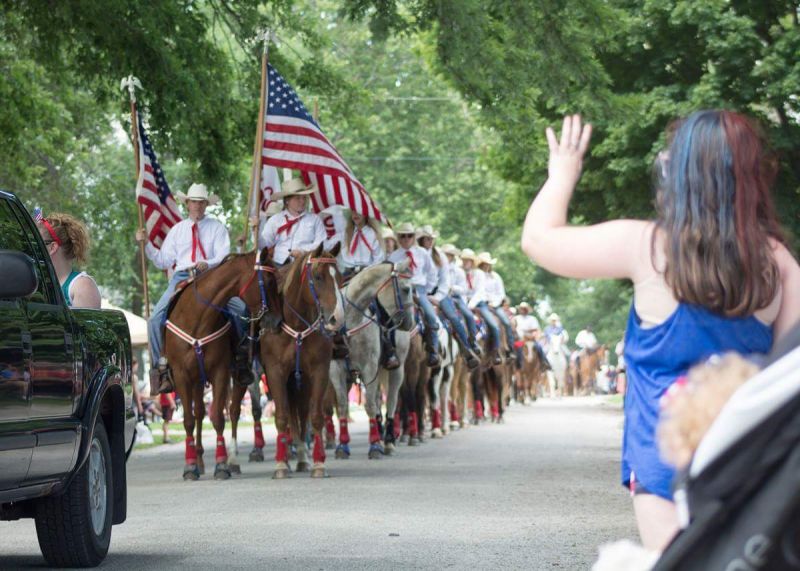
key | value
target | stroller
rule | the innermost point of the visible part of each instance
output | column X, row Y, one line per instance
column 740, row 498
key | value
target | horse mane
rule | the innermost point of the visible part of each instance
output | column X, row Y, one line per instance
column 289, row 275
column 364, row 279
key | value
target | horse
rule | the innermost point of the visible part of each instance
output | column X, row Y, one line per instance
column 589, row 362
column 556, row 377
column 459, row 394
column 415, row 377
column 296, row 358
column 531, row 373
column 198, row 345
column 389, row 285
column 440, row 383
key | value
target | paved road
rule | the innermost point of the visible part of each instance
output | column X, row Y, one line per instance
column 538, row 492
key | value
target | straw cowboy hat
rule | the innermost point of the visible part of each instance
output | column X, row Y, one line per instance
column 467, row 254
column 554, row 317
column 426, row 231
column 387, row 233
column 486, row 258
column 405, row 228
column 197, row 192
column 293, row 187
column 451, row 250
column 525, row 305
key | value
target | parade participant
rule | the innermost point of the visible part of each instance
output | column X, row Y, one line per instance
column 193, row 245
column 496, row 293
column 439, row 292
column 710, row 274
column 527, row 324
column 167, row 403
column 586, row 340
column 67, row 241
column 458, row 292
column 361, row 244
column 478, row 300
column 421, row 268
column 295, row 231
column 389, row 241
column 555, row 329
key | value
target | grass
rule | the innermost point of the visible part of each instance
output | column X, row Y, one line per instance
column 176, row 431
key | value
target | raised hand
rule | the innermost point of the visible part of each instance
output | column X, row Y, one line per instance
column 566, row 154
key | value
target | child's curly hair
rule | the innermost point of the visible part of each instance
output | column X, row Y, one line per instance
column 71, row 232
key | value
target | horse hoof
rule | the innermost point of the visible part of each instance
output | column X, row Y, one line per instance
column 413, row 441
column 235, row 468
column 343, row 452
column 454, row 426
column 421, row 439
column 280, row 474
column 222, row 471
column 375, row 452
column 404, row 438
column 302, row 467
column 257, row 455
column 388, row 449
column 319, row 472
column 191, row 472
column 501, row 420
column 436, row 433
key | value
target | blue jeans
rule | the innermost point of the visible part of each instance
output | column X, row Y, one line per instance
column 466, row 313
column 428, row 313
column 155, row 325
column 449, row 311
column 491, row 323
column 504, row 321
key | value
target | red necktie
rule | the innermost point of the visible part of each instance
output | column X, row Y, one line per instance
column 413, row 265
column 288, row 225
column 354, row 244
column 196, row 245
column 469, row 281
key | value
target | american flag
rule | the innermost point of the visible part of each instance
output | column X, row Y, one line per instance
column 293, row 139
column 152, row 192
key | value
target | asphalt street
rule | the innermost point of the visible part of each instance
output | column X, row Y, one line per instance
column 540, row 491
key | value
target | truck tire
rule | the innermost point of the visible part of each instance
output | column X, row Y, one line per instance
column 74, row 528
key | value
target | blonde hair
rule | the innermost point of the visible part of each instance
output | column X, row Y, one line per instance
column 350, row 228
column 72, row 234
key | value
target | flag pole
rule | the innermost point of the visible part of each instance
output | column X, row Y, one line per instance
column 131, row 83
column 253, row 196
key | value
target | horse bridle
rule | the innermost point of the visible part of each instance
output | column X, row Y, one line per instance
column 394, row 322
column 307, row 273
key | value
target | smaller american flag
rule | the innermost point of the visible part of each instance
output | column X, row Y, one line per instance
column 152, row 192
column 37, row 214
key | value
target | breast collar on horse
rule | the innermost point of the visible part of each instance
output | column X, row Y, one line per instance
column 199, row 343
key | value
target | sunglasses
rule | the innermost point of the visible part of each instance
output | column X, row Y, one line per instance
column 401, row 236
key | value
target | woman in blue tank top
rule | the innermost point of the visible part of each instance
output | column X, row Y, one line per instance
column 712, row 272
column 67, row 242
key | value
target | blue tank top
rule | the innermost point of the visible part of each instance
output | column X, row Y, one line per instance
column 655, row 358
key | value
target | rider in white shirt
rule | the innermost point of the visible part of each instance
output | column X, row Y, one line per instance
column 496, row 293
column 197, row 243
column 458, row 293
column 586, row 339
column 527, row 324
column 361, row 244
column 295, row 231
column 477, row 299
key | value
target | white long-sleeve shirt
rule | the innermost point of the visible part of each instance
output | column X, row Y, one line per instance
column 177, row 247
column 305, row 234
column 526, row 324
column 423, row 266
column 495, row 289
column 441, row 280
column 586, row 339
column 458, row 281
column 363, row 250
column 476, row 287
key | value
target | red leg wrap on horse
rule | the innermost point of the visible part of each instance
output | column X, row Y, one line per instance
column 479, row 409
column 436, row 418
column 344, row 434
column 412, row 424
column 451, row 406
column 191, row 451
column 221, row 454
column 282, row 450
column 374, row 435
column 495, row 410
column 258, row 442
column 319, row 450
column 330, row 428
column 397, row 424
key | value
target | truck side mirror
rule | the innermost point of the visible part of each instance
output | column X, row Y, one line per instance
column 18, row 275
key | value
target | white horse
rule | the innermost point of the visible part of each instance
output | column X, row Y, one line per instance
column 440, row 384
column 384, row 283
column 558, row 361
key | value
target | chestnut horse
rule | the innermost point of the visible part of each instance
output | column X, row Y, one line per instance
column 297, row 358
column 198, row 345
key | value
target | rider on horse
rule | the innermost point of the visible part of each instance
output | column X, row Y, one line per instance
column 458, row 293
column 439, row 293
column 193, row 245
column 528, row 330
column 496, row 293
column 477, row 299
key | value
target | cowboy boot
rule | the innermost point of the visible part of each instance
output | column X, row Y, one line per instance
column 390, row 360
column 165, row 381
column 475, row 348
column 243, row 371
column 434, row 360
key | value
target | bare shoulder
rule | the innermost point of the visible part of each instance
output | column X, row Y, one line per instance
column 85, row 292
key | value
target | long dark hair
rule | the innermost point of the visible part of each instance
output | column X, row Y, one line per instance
column 715, row 209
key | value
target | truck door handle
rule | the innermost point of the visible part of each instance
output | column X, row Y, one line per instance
column 68, row 342
column 27, row 343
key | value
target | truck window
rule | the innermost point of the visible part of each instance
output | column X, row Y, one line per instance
column 13, row 237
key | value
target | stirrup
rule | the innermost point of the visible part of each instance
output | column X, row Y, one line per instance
column 391, row 362
column 165, row 382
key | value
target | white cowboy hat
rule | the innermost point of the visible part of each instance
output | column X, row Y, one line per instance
column 554, row 317
column 293, row 187
column 387, row 233
column 426, row 231
column 525, row 305
column 197, row 192
column 451, row 250
column 468, row 254
column 486, row 258
column 405, row 228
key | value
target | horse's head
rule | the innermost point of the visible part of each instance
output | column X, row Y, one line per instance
column 257, row 283
column 319, row 286
column 397, row 297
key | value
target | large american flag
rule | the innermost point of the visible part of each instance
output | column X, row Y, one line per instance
column 293, row 139
column 152, row 192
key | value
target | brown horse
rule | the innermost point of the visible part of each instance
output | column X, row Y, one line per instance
column 199, row 346
column 297, row 358
column 459, row 393
column 589, row 362
column 413, row 391
column 531, row 374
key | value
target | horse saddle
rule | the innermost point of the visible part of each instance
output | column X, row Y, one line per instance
column 179, row 289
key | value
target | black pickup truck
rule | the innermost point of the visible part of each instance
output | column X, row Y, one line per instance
column 66, row 414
